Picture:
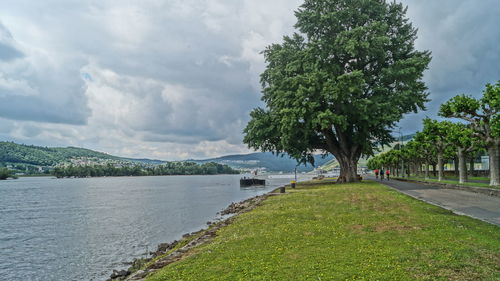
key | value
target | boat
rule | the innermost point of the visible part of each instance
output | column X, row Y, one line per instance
column 251, row 181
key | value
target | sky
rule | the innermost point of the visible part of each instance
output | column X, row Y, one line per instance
column 176, row 79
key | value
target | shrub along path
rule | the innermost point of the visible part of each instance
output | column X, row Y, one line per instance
column 472, row 204
column 363, row 231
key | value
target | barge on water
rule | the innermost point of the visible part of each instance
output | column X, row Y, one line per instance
column 250, row 182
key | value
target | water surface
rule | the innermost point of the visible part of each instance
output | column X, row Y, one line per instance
column 81, row 229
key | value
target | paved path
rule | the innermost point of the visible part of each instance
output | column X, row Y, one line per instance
column 479, row 206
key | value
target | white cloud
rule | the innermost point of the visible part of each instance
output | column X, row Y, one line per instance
column 175, row 79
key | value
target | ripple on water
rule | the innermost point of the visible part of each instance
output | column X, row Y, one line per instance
column 82, row 229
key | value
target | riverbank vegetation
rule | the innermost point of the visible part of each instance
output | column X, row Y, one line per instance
column 170, row 168
column 6, row 173
column 361, row 231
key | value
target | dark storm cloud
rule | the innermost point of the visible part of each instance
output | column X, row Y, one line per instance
column 33, row 88
column 464, row 37
column 8, row 51
column 40, row 110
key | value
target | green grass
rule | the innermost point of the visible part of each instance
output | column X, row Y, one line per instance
column 472, row 184
column 455, row 178
column 362, row 231
column 470, row 178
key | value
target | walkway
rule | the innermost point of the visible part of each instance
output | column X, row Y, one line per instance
column 479, row 206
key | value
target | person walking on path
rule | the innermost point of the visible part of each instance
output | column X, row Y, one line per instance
column 381, row 174
column 388, row 174
column 376, row 173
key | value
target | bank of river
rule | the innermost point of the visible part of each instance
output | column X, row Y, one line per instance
column 82, row 229
column 358, row 231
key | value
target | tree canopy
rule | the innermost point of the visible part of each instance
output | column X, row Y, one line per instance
column 437, row 143
column 484, row 119
column 340, row 83
column 437, row 133
column 169, row 168
column 5, row 174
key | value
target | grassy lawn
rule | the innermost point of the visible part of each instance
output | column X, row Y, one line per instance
column 486, row 179
column 473, row 184
column 470, row 178
column 362, row 231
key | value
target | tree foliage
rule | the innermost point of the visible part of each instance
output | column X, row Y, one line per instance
column 340, row 83
column 437, row 136
column 483, row 117
column 436, row 144
column 5, row 174
column 482, row 114
column 170, row 168
column 44, row 156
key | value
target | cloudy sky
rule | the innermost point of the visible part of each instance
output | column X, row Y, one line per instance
column 176, row 79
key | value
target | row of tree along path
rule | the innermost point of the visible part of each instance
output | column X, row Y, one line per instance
column 440, row 141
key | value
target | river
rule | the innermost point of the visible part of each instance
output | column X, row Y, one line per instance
column 82, row 229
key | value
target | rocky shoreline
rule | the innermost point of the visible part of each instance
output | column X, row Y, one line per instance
column 167, row 253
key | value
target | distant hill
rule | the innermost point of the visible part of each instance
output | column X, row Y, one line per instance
column 13, row 153
column 30, row 155
column 406, row 137
column 44, row 156
column 145, row 161
column 265, row 160
column 21, row 155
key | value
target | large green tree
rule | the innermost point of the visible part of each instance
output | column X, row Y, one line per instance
column 437, row 133
column 340, row 83
column 462, row 138
column 424, row 146
column 484, row 119
column 416, row 156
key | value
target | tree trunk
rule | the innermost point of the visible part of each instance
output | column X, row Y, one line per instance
column 440, row 166
column 348, row 155
column 493, row 152
column 462, row 167
column 434, row 170
column 426, row 170
column 457, row 169
column 471, row 168
column 348, row 170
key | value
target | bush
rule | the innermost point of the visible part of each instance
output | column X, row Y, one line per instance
column 5, row 173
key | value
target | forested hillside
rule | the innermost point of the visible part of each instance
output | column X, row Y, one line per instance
column 27, row 158
column 44, row 156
